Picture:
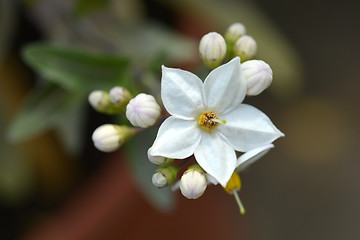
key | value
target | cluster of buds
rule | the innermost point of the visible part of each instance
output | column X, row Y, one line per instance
column 112, row 102
column 194, row 180
column 214, row 48
column 142, row 111
column 251, row 76
column 192, row 183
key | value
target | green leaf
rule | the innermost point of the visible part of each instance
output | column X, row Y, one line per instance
column 75, row 70
column 71, row 130
column 136, row 151
column 83, row 7
column 17, row 178
column 46, row 107
column 8, row 20
column 142, row 41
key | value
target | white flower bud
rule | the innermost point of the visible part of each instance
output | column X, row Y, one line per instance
column 159, row 180
column 99, row 100
column 234, row 32
column 158, row 160
column 143, row 111
column 258, row 75
column 212, row 49
column 164, row 176
column 193, row 182
column 245, row 47
column 119, row 96
column 109, row 137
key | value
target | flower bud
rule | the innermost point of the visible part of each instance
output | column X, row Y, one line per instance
column 109, row 137
column 158, row 160
column 143, row 111
column 120, row 96
column 258, row 75
column 212, row 49
column 234, row 32
column 245, row 47
column 193, row 182
column 164, row 176
column 99, row 100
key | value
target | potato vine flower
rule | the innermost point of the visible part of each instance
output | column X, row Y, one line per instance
column 245, row 160
column 209, row 120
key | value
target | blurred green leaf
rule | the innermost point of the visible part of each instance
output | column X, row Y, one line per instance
column 136, row 151
column 17, row 178
column 71, row 129
column 83, row 7
column 46, row 107
column 76, row 70
column 149, row 39
column 7, row 25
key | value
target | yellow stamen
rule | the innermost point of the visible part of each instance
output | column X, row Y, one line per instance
column 233, row 187
column 209, row 120
column 233, row 184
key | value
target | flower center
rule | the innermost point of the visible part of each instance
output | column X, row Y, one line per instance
column 209, row 120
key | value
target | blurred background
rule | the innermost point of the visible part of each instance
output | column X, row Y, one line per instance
column 55, row 185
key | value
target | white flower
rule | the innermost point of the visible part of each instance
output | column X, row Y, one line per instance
column 143, row 111
column 199, row 111
column 252, row 156
column 245, row 160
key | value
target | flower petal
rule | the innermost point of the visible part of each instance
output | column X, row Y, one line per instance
column 176, row 138
column 247, row 128
column 252, row 156
column 225, row 87
column 181, row 92
column 211, row 180
column 216, row 157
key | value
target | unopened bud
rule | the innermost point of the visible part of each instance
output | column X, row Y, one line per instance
column 193, row 182
column 158, row 160
column 164, row 176
column 120, row 96
column 109, row 137
column 245, row 47
column 212, row 49
column 258, row 75
column 100, row 100
column 234, row 32
column 143, row 111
